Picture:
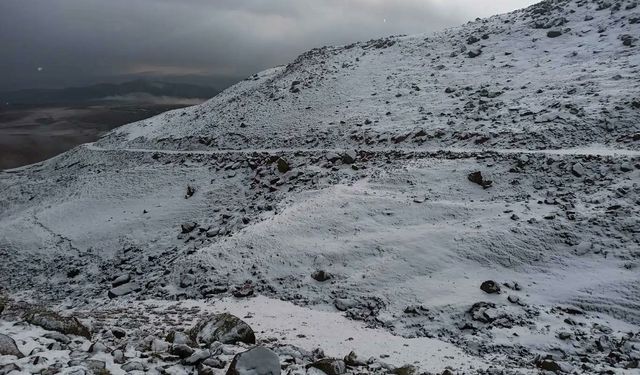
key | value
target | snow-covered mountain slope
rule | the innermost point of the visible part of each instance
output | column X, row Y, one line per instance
column 360, row 161
column 525, row 89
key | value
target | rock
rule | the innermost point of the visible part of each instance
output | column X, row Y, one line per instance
column 242, row 291
column 181, row 350
column 490, row 287
column 3, row 303
column 57, row 336
column 476, row 178
column 474, row 53
column 255, row 361
column 578, row 170
column 330, row 366
column 624, row 167
column 118, row 356
column 9, row 368
column 472, row 39
column 584, row 247
column 123, row 290
column 554, row 33
column 94, row 366
column 122, row 279
column 190, row 191
column 449, row 90
column 118, row 332
column 283, row 165
column 8, row 346
column 177, row 337
column 352, row 359
column 332, row 156
column 188, row 227
column 344, row 304
column 321, row 276
column 405, row 370
column 197, row 357
column 214, row 362
column 226, row 328
column 98, row 347
column 53, row 322
column 349, row 157
column 133, row 366
column 549, row 365
column 480, row 311
column 159, row 346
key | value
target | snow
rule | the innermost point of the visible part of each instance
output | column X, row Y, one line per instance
column 407, row 238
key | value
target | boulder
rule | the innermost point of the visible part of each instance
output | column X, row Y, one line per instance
column 225, row 328
column 490, row 287
column 578, row 170
column 188, row 227
column 554, row 33
column 8, row 346
column 255, row 361
column 123, row 290
column 182, row 350
column 477, row 178
column 474, row 53
column 122, row 279
column 349, row 157
column 321, row 276
column 283, row 165
column 52, row 321
column 133, row 366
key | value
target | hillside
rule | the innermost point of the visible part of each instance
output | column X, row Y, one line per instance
column 464, row 200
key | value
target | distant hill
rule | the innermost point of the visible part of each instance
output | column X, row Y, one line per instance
column 143, row 89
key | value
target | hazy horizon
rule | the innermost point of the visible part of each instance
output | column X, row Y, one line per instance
column 63, row 43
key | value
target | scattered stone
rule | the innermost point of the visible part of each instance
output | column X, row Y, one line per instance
column 190, row 191
column 181, row 350
column 244, row 290
column 405, row 370
column 188, row 227
column 118, row 356
column 255, row 361
column 133, row 366
column 118, row 332
column 57, row 336
column 490, row 287
column 283, row 165
column 476, row 178
column 197, row 357
column 578, row 170
column 98, row 347
column 352, row 359
column 349, row 157
column 225, row 328
column 474, row 53
column 321, row 276
column 330, row 366
column 159, row 346
column 553, row 33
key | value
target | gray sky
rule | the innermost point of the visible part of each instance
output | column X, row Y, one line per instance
column 57, row 43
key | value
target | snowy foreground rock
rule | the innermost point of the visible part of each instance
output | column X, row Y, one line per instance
column 462, row 202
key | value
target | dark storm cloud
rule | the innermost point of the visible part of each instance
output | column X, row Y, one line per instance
column 81, row 41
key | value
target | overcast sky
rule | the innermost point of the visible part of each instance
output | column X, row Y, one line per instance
column 57, row 43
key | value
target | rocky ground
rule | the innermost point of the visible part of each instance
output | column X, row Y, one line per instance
column 464, row 202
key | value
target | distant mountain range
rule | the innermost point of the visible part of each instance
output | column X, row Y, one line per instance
column 141, row 89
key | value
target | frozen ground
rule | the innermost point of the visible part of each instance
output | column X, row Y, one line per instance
column 358, row 161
